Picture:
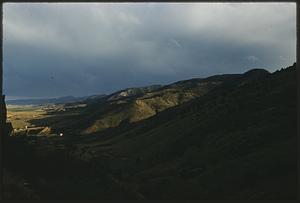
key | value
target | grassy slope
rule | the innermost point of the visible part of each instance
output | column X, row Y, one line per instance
column 128, row 106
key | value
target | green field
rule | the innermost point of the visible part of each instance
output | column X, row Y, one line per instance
column 20, row 116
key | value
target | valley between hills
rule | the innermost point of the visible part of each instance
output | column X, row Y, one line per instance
column 229, row 136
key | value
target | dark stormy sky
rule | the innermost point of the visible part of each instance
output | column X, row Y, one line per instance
column 82, row 49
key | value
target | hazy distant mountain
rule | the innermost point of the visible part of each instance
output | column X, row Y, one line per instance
column 59, row 100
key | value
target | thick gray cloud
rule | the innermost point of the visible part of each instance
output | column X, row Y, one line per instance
column 80, row 49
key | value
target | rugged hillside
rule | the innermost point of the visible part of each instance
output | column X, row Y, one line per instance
column 130, row 105
column 236, row 141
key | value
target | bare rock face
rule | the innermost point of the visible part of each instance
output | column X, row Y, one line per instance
column 6, row 128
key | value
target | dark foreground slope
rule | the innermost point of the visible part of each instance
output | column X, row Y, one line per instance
column 238, row 141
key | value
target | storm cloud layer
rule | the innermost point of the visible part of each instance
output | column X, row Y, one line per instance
column 81, row 49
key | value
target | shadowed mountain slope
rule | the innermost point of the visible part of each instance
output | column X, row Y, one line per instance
column 236, row 141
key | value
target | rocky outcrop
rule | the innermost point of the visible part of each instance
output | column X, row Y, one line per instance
column 46, row 131
column 2, row 114
column 6, row 128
